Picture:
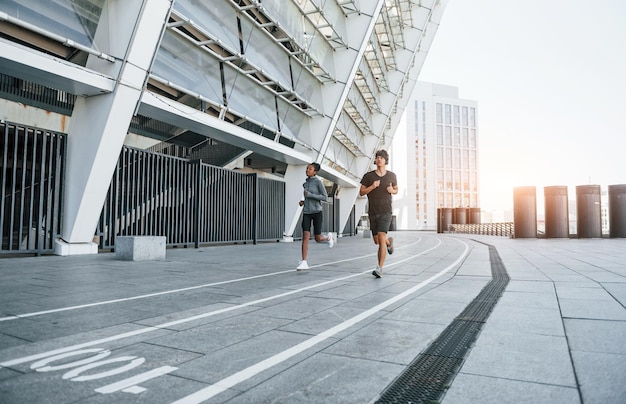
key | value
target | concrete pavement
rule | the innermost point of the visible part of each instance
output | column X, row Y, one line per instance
column 238, row 324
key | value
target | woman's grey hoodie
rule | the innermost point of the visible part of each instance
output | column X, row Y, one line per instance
column 316, row 193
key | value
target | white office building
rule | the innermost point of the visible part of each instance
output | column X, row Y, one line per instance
column 438, row 139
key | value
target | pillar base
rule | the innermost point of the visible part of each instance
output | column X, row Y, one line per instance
column 63, row 248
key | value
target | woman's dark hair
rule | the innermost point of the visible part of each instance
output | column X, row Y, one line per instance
column 316, row 167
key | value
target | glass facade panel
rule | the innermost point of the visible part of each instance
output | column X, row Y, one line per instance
column 182, row 63
column 305, row 84
column 293, row 122
column 416, row 116
column 439, row 113
column 246, row 98
column 448, row 179
column 219, row 22
column 448, row 114
column 423, row 116
column 439, row 135
column 73, row 19
column 267, row 54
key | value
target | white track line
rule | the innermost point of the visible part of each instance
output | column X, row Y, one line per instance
column 245, row 374
column 192, row 318
column 166, row 292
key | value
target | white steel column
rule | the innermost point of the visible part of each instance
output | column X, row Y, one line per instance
column 99, row 123
column 346, row 65
column 295, row 175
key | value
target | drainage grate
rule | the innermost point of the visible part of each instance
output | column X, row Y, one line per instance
column 428, row 376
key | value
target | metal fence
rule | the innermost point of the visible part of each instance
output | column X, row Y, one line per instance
column 505, row 229
column 190, row 203
column 31, row 188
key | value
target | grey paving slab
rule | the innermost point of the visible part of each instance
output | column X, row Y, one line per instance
column 617, row 291
column 516, row 319
column 598, row 309
column 387, row 341
column 529, row 299
column 323, row 379
column 427, row 311
column 596, row 336
column 201, row 315
column 591, row 291
column 298, row 308
column 521, row 356
column 602, row 377
column 220, row 334
column 460, row 290
column 327, row 319
column 471, row 389
column 165, row 389
column 225, row 361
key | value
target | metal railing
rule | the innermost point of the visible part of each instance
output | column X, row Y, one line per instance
column 191, row 203
column 505, row 229
column 31, row 188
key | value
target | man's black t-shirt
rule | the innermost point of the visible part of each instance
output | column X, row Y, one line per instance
column 379, row 199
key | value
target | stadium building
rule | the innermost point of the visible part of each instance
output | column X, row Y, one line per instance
column 195, row 119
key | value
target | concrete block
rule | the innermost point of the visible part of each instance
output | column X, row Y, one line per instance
column 140, row 248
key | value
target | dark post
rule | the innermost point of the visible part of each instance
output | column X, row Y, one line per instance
column 460, row 216
column 588, row 211
column 474, row 216
column 525, row 212
column 557, row 222
column 447, row 218
column 617, row 210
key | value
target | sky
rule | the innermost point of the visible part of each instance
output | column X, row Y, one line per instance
column 549, row 77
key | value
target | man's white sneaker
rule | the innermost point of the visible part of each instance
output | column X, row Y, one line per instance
column 302, row 266
column 331, row 240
